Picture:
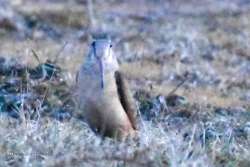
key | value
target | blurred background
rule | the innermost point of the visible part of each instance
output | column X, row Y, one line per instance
column 158, row 43
column 187, row 62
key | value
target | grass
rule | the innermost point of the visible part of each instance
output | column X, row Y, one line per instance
column 204, row 123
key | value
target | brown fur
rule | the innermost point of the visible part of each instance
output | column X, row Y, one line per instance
column 126, row 98
column 108, row 109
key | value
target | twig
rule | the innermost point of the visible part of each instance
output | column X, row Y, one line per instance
column 191, row 141
column 55, row 61
column 59, row 52
column 177, row 87
column 36, row 56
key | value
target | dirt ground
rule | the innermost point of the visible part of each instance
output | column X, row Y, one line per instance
column 159, row 44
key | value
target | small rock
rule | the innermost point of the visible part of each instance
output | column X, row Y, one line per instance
column 176, row 100
column 247, row 129
column 222, row 111
column 240, row 132
column 61, row 115
column 182, row 113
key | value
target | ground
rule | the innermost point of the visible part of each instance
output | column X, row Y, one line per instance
column 202, row 46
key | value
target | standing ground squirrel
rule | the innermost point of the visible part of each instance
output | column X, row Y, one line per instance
column 103, row 94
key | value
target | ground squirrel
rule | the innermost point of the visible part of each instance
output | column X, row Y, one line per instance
column 103, row 94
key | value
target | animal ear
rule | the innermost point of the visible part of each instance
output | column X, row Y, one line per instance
column 126, row 98
column 92, row 50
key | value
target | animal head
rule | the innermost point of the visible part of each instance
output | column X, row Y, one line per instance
column 101, row 55
column 101, row 52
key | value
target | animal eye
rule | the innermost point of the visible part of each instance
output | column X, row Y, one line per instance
column 93, row 44
column 110, row 45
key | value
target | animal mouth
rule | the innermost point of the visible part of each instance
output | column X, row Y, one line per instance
column 101, row 66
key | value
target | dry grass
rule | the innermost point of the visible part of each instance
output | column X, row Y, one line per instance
column 208, row 124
